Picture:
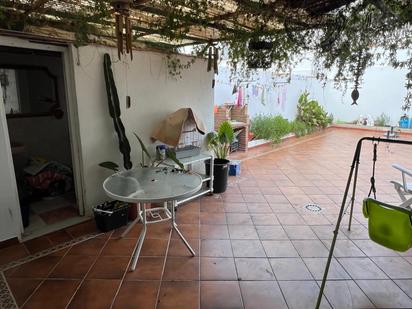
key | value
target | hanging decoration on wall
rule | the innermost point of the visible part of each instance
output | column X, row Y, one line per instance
column 122, row 9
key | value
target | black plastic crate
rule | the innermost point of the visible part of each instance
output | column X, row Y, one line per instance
column 111, row 215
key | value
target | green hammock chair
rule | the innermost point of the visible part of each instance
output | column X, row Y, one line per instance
column 388, row 225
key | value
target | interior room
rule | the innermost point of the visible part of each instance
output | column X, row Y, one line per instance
column 33, row 89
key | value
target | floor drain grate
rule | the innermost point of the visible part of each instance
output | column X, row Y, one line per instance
column 313, row 207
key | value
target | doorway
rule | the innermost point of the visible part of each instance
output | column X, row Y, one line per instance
column 36, row 107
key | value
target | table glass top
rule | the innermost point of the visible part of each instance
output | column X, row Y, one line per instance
column 155, row 184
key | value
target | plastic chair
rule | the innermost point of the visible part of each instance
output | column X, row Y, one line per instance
column 388, row 225
column 403, row 188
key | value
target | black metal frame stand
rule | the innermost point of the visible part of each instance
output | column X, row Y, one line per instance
column 353, row 172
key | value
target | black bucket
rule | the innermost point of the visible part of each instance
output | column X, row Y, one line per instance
column 220, row 174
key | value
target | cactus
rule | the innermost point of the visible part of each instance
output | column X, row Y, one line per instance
column 114, row 110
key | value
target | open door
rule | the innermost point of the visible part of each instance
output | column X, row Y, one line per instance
column 10, row 219
column 37, row 129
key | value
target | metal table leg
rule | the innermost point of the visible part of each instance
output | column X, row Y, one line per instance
column 134, row 222
column 173, row 205
column 140, row 241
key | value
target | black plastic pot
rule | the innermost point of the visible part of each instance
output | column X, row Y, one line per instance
column 220, row 174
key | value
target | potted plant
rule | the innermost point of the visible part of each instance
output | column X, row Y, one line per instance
column 219, row 142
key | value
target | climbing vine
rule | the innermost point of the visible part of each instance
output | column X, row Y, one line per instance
column 345, row 36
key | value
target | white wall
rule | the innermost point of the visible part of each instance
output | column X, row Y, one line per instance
column 382, row 91
column 154, row 94
column 10, row 222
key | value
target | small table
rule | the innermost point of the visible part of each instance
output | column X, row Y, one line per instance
column 152, row 185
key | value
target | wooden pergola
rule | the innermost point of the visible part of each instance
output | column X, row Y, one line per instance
column 223, row 19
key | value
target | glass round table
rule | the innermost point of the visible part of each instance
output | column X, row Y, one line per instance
column 143, row 186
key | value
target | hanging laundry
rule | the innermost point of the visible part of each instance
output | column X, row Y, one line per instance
column 239, row 102
column 263, row 99
column 234, row 89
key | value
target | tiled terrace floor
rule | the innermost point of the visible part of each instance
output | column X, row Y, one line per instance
column 257, row 246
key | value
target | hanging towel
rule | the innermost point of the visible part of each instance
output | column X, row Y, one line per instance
column 239, row 102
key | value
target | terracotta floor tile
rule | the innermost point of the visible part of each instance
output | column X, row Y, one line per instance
column 279, row 248
column 181, row 268
column 362, row 268
column 235, row 207
column 394, row 267
column 215, row 248
column 109, row 267
column 301, row 294
column 53, row 294
column 212, row 218
column 72, row 267
column 262, row 295
column 212, row 208
column 188, row 231
column 137, row 294
column 147, row 268
column 290, row 269
column 178, row 248
column 38, row 268
column 248, row 248
column 254, row 269
column 12, row 253
column 217, row 269
column 22, row 288
column 290, row 219
column 38, row 244
column 268, row 232
column 89, row 247
column 310, row 248
column 210, row 231
column 264, row 219
column 154, row 247
column 82, row 229
column 220, row 294
column 317, row 266
column 239, row 218
column 385, row 294
column 299, row 232
column 282, row 208
column 120, row 247
column 95, row 294
column 158, row 231
column 187, row 217
column 59, row 237
column 259, row 208
column 179, row 295
column 346, row 294
column 344, row 248
column 242, row 232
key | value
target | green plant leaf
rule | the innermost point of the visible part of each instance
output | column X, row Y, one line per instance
column 110, row 165
column 171, row 154
column 144, row 149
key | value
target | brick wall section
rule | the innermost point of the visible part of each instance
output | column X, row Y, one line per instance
column 224, row 113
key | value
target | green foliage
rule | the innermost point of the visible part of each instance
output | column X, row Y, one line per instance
column 300, row 128
column 271, row 128
column 382, row 120
column 219, row 142
column 311, row 113
column 110, row 165
column 144, row 151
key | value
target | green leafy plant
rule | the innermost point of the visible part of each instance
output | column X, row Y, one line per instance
column 382, row 120
column 170, row 154
column 300, row 128
column 219, row 142
column 269, row 127
column 311, row 113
